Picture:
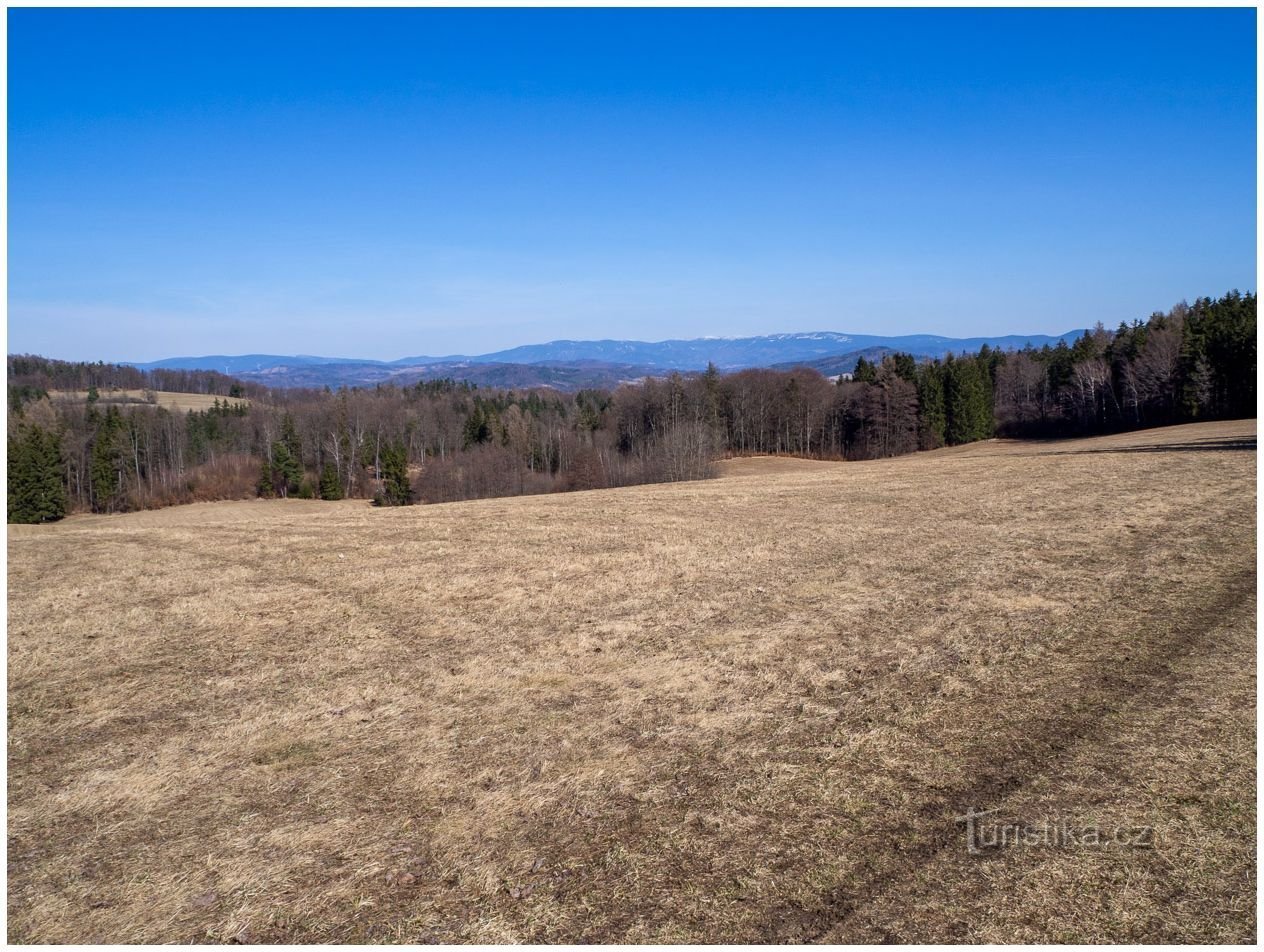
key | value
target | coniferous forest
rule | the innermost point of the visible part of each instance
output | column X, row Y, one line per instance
column 441, row 441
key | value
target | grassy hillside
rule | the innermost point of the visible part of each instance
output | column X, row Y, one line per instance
column 745, row 709
column 170, row 399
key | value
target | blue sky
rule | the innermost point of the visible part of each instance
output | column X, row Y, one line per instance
column 399, row 182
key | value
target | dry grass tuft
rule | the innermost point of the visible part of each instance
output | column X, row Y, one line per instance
column 744, row 709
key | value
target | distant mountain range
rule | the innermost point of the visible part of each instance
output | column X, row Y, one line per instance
column 571, row 364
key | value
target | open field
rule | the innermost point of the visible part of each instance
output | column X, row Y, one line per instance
column 744, row 709
column 169, row 399
column 770, row 466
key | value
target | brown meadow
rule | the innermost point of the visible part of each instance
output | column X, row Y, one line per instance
column 742, row 709
column 177, row 402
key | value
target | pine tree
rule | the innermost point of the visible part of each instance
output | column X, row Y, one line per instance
column 36, row 490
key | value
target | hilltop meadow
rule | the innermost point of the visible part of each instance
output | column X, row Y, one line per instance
column 749, row 709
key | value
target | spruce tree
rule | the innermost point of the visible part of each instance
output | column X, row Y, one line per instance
column 396, row 490
column 289, row 436
column 279, row 473
column 968, row 397
column 330, row 486
column 265, row 488
column 477, row 428
column 711, row 390
column 931, row 406
column 865, row 371
column 1228, row 347
column 108, row 462
column 905, row 366
column 36, row 490
column 286, row 470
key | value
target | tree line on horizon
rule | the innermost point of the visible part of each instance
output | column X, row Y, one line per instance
column 440, row 441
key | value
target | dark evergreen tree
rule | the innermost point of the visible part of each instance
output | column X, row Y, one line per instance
column 21, row 395
column 265, row 487
column 712, row 391
column 589, row 404
column 933, row 411
column 330, row 485
column 905, row 367
column 280, row 473
column 289, row 436
column 285, row 470
column 396, row 490
column 865, row 372
column 1226, row 332
column 1060, row 363
column 478, row 427
column 108, row 467
column 36, row 490
column 968, row 398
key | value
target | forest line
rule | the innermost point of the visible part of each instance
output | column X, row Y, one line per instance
column 440, row 441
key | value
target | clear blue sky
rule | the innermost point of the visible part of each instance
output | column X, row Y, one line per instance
column 391, row 183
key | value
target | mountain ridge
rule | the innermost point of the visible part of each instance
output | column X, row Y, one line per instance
column 569, row 363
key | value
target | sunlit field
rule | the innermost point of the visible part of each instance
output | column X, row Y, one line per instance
column 168, row 399
column 745, row 709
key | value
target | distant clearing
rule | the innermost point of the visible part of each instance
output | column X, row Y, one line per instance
column 743, row 709
column 169, row 399
column 771, row 465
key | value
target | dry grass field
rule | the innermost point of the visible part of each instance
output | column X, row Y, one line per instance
column 744, row 709
column 169, row 399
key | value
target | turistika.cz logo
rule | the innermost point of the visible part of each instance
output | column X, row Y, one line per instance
column 986, row 833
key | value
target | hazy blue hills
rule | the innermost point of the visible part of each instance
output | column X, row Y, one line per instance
column 737, row 353
column 569, row 364
column 250, row 363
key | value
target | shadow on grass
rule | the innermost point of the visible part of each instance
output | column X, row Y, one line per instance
column 1196, row 446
